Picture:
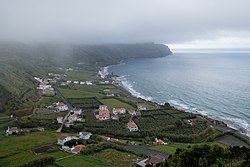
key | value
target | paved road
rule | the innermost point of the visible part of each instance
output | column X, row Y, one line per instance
column 142, row 150
column 58, row 93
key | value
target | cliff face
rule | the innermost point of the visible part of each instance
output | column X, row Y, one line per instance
column 19, row 63
column 113, row 53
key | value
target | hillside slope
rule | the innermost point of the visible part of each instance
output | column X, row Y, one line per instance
column 19, row 63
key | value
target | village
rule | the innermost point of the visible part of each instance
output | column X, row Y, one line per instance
column 88, row 114
column 68, row 116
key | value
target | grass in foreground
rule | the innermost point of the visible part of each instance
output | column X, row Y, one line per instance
column 116, row 157
column 16, row 150
column 83, row 160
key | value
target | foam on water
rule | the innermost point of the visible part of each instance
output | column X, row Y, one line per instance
column 211, row 83
column 126, row 85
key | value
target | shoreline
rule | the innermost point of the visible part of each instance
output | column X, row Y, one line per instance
column 125, row 90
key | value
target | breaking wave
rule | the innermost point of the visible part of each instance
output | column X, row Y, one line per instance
column 129, row 87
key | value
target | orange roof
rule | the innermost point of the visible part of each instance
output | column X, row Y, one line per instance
column 105, row 115
column 119, row 108
column 78, row 148
column 132, row 124
column 103, row 112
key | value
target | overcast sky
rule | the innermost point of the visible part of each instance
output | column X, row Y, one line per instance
column 180, row 23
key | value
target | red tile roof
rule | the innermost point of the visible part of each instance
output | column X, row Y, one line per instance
column 153, row 160
column 78, row 148
column 132, row 124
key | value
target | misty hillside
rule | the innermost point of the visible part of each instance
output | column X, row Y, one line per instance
column 20, row 63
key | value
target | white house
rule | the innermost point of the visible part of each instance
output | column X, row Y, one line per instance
column 49, row 91
column 132, row 112
column 89, row 83
column 132, row 126
column 62, row 139
column 119, row 111
column 38, row 79
column 85, row 135
column 141, row 108
column 76, row 82
column 59, row 119
column 12, row 130
column 68, row 82
column 61, row 106
column 82, row 83
column 103, row 115
column 77, row 111
column 103, row 107
column 72, row 118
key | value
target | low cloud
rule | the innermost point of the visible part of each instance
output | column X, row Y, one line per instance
column 111, row 21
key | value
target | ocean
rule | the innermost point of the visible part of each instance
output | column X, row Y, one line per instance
column 211, row 83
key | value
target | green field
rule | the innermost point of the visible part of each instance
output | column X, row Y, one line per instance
column 92, row 103
column 48, row 116
column 117, row 158
column 108, row 157
column 83, row 160
column 48, row 100
column 81, row 76
column 114, row 103
column 15, row 149
column 75, row 93
column 171, row 148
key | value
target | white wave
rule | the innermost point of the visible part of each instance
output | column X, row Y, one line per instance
column 238, row 124
column 104, row 71
column 186, row 107
column 126, row 85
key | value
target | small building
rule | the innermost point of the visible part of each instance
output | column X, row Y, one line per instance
column 60, row 106
column 72, row 118
column 77, row 149
column 76, row 82
column 12, row 130
column 103, row 107
column 69, row 82
column 141, row 108
column 132, row 112
column 89, row 83
column 152, row 161
column 132, row 126
column 77, row 111
column 82, row 83
column 159, row 141
column 63, row 139
column 119, row 110
column 49, row 91
column 59, row 119
column 85, row 135
column 103, row 115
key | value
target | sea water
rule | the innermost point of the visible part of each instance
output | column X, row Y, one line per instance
column 211, row 83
